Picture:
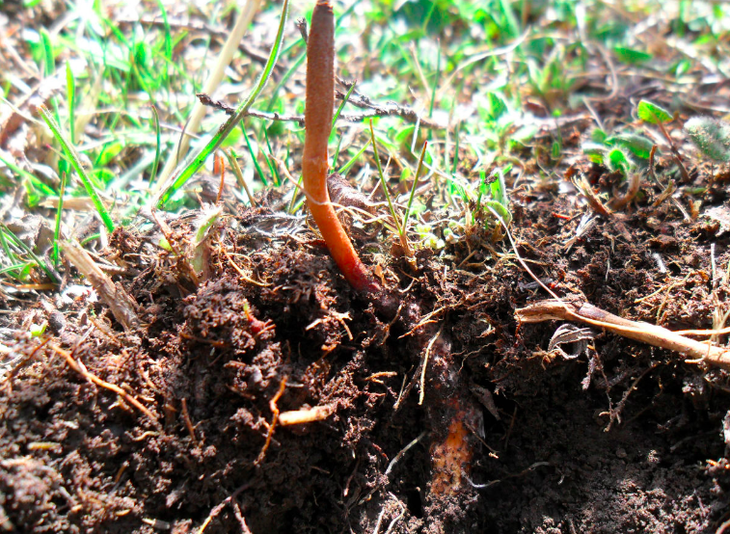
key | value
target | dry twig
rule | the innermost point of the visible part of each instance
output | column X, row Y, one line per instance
column 113, row 295
column 580, row 311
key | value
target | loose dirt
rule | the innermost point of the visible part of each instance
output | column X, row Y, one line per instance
column 610, row 436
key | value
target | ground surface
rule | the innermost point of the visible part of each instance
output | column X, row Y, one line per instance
column 611, row 436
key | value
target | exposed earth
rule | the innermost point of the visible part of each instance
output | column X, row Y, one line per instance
column 619, row 438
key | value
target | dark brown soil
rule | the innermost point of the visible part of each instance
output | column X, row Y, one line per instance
column 621, row 438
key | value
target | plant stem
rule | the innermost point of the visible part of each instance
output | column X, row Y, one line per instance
column 318, row 121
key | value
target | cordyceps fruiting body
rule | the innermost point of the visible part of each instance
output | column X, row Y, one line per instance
column 452, row 414
column 454, row 418
column 318, row 120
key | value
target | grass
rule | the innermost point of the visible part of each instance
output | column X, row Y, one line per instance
column 118, row 90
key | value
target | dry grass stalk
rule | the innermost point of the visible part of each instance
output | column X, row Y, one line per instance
column 657, row 336
column 121, row 304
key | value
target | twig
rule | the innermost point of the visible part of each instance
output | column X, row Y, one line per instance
column 675, row 152
column 8, row 378
column 383, row 110
column 397, row 458
column 668, row 191
column 241, row 520
column 513, row 475
column 376, row 110
column 240, row 271
column 580, row 311
column 559, row 309
column 239, row 176
column 397, row 518
column 113, row 295
column 379, row 110
column 634, row 182
column 593, row 201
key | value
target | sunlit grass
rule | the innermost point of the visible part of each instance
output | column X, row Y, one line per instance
column 489, row 73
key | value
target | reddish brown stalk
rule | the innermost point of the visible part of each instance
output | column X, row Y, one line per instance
column 318, row 120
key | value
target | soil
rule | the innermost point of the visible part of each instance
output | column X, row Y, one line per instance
column 614, row 437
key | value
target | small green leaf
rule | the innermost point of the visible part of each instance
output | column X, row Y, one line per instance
column 37, row 330
column 496, row 106
column 108, row 153
column 102, row 177
column 650, row 112
column 598, row 135
column 593, row 149
column 638, row 145
column 503, row 212
column 233, row 139
column 618, row 161
column 632, row 56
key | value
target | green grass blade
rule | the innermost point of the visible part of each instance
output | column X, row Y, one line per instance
column 89, row 239
column 272, row 165
column 284, row 79
column 342, row 104
column 17, row 170
column 59, row 213
column 382, row 181
column 253, row 157
column 19, row 243
column 156, row 164
column 168, row 39
column 6, row 248
column 49, row 64
column 15, row 267
column 427, row 19
column 233, row 162
column 346, row 167
column 228, row 126
column 419, row 168
column 71, row 97
column 334, row 120
column 456, row 149
column 513, row 25
column 73, row 157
